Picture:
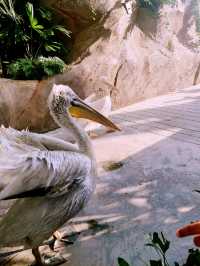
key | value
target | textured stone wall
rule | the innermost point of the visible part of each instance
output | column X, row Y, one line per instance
column 118, row 49
column 131, row 53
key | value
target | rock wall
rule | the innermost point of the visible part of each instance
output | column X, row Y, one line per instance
column 23, row 104
column 118, row 49
column 132, row 53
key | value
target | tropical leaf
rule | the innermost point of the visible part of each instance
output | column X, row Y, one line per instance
column 30, row 11
column 55, row 46
column 45, row 13
column 63, row 30
column 122, row 262
column 28, row 32
column 26, row 68
column 7, row 10
column 156, row 263
column 2, row 34
column 33, row 20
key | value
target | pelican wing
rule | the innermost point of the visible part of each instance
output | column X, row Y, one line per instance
column 61, row 134
column 35, row 140
column 24, row 137
column 34, row 172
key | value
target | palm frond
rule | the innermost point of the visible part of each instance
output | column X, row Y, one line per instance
column 7, row 9
column 63, row 30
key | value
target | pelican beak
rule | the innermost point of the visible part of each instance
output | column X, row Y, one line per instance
column 79, row 109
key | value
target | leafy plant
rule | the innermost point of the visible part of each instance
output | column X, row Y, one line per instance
column 47, row 43
column 161, row 245
column 193, row 258
column 122, row 262
column 26, row 68
column 27, row 30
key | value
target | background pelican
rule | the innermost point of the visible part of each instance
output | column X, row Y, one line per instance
column 51, row 179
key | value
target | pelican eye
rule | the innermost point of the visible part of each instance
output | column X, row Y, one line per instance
column 74, row 102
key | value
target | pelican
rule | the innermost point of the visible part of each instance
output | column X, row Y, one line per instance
column 51, row 180
column 103, row 105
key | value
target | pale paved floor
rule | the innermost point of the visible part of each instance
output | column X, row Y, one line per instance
column 159, row 153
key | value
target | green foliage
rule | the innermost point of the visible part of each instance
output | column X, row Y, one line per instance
column 7, row 10
column 122, row 262
column 154, row 5
column 27, row 30
column 193, row 258
column 26, row 68
column 161, row 245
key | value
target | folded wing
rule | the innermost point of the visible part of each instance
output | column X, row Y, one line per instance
column 31, row 171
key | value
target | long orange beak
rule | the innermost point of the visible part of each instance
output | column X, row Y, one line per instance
column 79, row 109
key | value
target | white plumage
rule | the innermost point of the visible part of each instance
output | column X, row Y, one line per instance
column 50, row 179
column 102, row 105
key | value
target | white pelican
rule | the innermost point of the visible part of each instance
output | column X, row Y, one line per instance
column 50, row 179
column 102, row 105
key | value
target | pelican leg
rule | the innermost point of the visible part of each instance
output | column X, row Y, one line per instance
column 51, row 242
column 53, row 260
column 66, row 241
column 57, row 236
column 47, row 260
column 38, row 258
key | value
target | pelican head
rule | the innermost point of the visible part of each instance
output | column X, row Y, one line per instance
column 64, row 101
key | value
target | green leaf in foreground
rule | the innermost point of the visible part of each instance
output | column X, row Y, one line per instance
column 122, row 262
column 156, row 263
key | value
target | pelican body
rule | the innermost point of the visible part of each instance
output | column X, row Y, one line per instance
column 50, row 179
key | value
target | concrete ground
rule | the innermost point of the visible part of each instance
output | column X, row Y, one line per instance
column 148, row 172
